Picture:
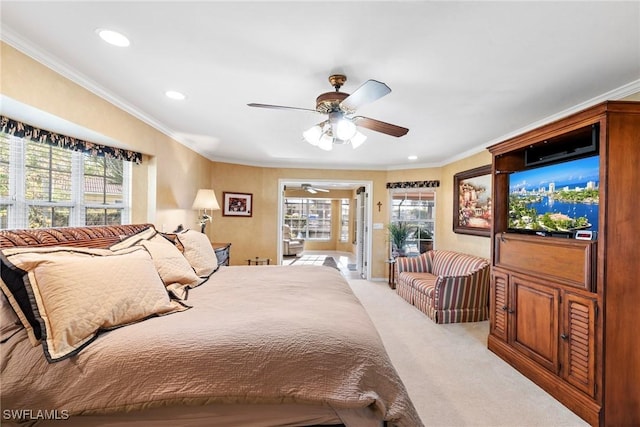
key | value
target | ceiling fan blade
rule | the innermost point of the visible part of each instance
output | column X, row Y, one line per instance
column 322, row 190
column 280, row 107
column 368, row 92
column 379, row 126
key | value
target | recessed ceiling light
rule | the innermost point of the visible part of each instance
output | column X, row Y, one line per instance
column 175, row 95
column 413, row 157
column 113, row 37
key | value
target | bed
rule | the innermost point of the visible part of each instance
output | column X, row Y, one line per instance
column 226, row 346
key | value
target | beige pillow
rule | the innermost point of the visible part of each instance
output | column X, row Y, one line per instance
column 199, row 252
column 14, row 265
column 133, row 240
column 9, row 321
column 76, row 297
column 174, row 270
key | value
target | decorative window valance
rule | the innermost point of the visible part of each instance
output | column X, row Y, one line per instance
column 23, row 130
column 414, row 184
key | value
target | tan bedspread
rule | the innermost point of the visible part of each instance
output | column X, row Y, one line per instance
column 270, row 334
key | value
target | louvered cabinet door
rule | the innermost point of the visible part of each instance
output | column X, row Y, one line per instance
column 578, row 337
column 499, row 303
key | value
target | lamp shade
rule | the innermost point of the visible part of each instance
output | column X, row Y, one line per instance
column 357, row 140
column 312, row 136
column 326, row 142
column 206, row 199
column 344, row 129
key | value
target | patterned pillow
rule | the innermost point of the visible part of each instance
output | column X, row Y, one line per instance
column 75, row 297
column 199, row 252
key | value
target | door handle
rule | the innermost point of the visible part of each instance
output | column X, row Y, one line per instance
column 505, row 308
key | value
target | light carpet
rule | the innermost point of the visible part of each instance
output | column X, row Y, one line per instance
column 451, row 376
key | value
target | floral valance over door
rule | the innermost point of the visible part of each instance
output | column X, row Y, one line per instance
column 32, row 133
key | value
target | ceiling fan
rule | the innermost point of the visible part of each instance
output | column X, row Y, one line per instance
column 309, row 189
column 341, row 124
column 313, row 190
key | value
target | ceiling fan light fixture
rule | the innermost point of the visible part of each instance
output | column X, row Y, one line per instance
column 313, row 135
column 341, row 127
column 358, row 139
column 344, row 129
column 326, row 142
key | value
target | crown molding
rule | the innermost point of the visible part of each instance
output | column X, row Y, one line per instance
column 613, row 95
column 10, row 37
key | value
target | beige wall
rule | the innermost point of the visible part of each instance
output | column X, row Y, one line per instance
column 446, row 238
column 166, row 183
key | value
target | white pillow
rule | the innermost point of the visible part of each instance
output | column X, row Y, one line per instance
column 199, row 252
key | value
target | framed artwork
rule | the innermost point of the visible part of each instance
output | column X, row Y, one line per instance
column 472, row 201
column 237, row 204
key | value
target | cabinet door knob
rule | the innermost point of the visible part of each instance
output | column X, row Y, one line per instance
column 505, row 308
column 564, row 336
column 511, row 311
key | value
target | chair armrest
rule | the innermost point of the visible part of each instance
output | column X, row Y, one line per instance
column 468, row 291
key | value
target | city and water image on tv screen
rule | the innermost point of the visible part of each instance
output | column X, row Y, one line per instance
column 562, row 197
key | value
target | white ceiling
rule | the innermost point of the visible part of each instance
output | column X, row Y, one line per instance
column 463, row 74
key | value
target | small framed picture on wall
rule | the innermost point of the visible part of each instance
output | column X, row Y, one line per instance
column 237, row 204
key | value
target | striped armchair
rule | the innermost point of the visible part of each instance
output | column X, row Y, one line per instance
column 447, row 286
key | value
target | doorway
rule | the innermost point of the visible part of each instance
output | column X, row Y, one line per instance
column 362, row 212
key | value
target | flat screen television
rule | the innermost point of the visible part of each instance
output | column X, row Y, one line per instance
column 555, row 199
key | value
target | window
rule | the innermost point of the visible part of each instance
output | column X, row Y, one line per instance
column 309, row 218
column 415, row 209
column 344, row 220
column 42, row 185
column 103, row 190
column 4, row 183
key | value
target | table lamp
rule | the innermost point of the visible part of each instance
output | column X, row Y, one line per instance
column 205, row 201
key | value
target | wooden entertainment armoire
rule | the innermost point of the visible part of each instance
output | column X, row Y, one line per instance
column 566, row 312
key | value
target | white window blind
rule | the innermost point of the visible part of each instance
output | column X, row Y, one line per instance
column 5, row 164
column 344, row 219
column 47, row 186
